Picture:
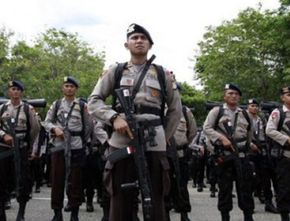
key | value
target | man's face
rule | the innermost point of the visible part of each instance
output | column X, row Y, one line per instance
column 286, row 98
column 253, row 108
column 138, row 44
column 232, row 97
column 69, row 89
column 14, row 93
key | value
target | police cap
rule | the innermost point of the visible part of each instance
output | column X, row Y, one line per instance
column 135, row 28
column 234, row 87
column 16, row 83
column 285, row 90
column 70, row 79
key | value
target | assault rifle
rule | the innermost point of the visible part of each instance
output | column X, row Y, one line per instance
column 33, row 102
column 138, row 144
column 14, row 150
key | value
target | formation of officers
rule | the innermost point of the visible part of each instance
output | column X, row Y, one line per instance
column 93, row 146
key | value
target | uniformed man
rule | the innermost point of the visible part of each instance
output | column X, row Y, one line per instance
column 67, row 121
column 148, row 102
column 183, row 136
column 260, row 155
column 278, row 130
column 229, row 129
column 19, row 118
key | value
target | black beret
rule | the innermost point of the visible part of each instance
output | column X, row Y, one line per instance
column 253, row 101
column 134, row 28
column 233, row 87
column 285, row 90
column 16, row 83
column 72, row 80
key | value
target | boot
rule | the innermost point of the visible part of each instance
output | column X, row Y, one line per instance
column 67, row 208
column 285, row 217
column 57, row 215
column 74, row 214
column 225, row 216
column 269, row 207
column 90, row 207
column 21, row 212
column 2, row 212
column 7, row 204
column 184, row 217
column 105, row 214
column 248, row 216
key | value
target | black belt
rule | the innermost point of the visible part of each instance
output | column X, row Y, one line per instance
column 140, row 109
column 148, row 123
column 76, row 133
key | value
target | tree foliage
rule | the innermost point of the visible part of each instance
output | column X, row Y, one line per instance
column 251, row 51
column 42, row 66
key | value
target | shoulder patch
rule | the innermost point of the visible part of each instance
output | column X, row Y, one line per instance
column 274, row 115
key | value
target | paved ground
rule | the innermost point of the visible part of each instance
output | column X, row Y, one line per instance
column 203, row 209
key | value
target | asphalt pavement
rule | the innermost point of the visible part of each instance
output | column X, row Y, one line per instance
column 204, row 208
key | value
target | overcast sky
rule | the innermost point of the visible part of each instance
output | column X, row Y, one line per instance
column 176, row 26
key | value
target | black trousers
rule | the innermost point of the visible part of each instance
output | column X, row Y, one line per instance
column 123, row 202
column 242, row 174
column 283, row 182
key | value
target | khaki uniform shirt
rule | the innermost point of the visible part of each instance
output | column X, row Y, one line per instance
column 185, row 132
column 11, row 112
column 241, row 132
column 74, row 122
column 149, row 95
column 271, row 130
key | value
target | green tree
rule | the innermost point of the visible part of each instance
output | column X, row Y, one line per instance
column 251, row 51
column 55, row 54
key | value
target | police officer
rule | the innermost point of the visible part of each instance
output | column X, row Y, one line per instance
column 148, row 103
column 260, row 156
column 67, row 121
column 25, row 125
column 229, row 129
column 278, row 130
column 183, row 136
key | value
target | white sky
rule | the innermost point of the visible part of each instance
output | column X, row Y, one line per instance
column 175, row 26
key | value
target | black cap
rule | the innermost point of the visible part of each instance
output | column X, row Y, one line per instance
column 285, row 90
column 253, row 101
column 16, row 83
column 135, row 28
column 233, row 87
column 72, row 80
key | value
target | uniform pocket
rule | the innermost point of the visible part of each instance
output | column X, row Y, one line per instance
column 153, row 91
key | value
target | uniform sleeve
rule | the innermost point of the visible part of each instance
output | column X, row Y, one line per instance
column 2, row 133
column 192, row 128
column 88, row 123
column 96, row 103
column 209, row 124
column 34, row 125
column 48, row 123
column 272, row 126
column 174, row 111
column 100, row 133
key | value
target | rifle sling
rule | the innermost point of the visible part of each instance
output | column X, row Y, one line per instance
column 144, row 71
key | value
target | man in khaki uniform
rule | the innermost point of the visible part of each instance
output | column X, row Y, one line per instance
column 260, row 157
column 278, row 130
column 148, row 103
column 229, row 129
column 183, row 136
column 26, row 128
column 67, row 115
